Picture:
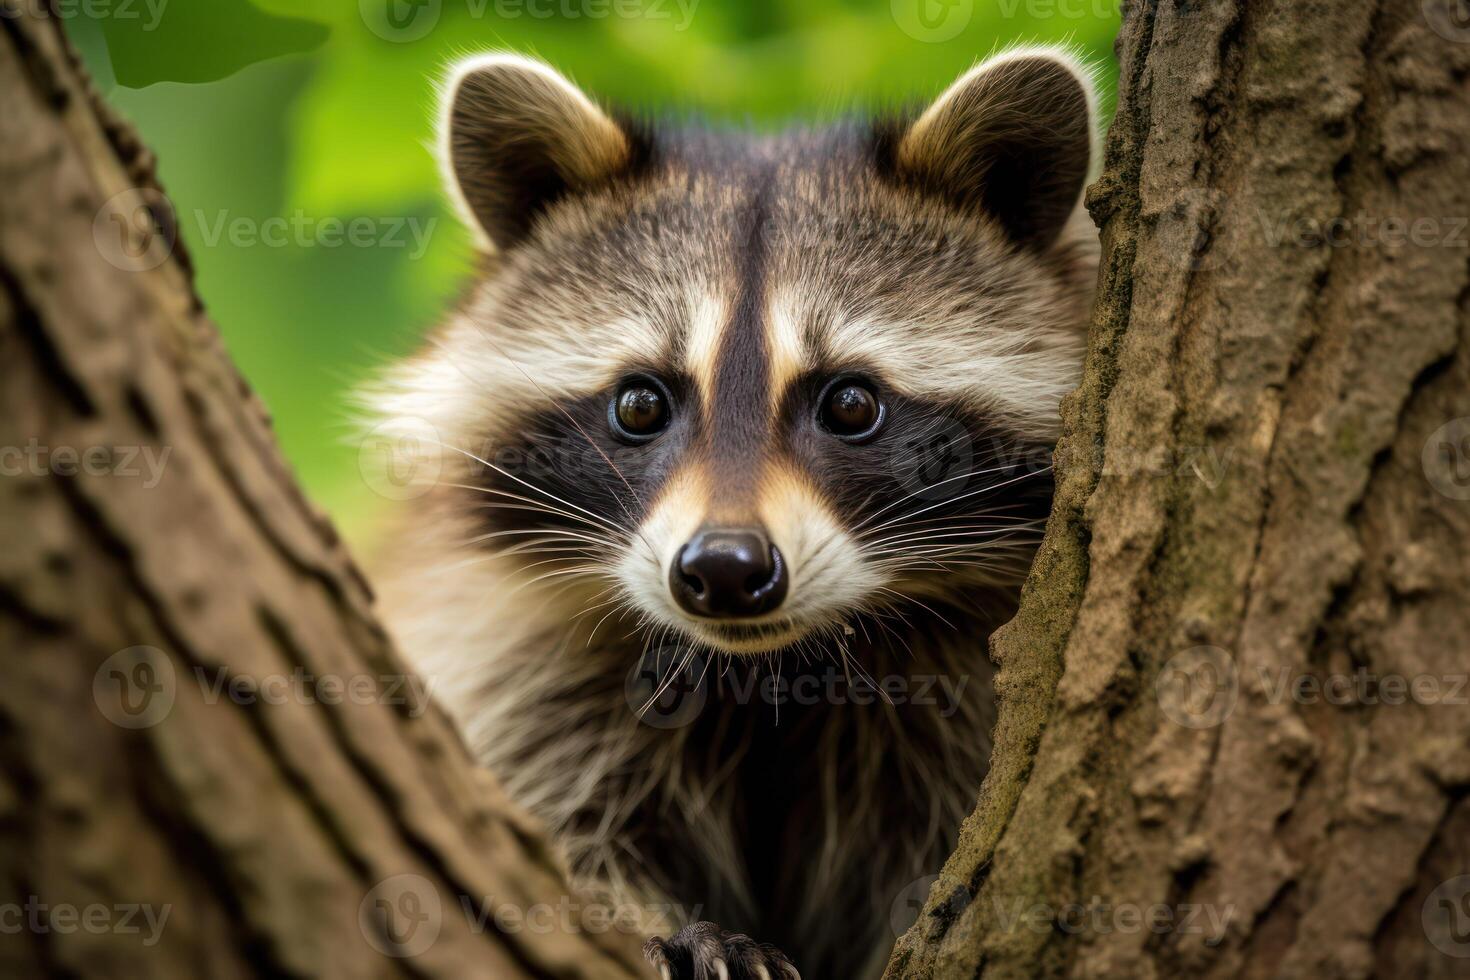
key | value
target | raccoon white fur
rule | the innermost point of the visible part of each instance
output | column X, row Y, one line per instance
column 725, row 407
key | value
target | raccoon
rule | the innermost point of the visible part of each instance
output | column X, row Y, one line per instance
column 738, row 453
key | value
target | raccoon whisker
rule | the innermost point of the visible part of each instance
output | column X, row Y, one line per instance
column 899, row 559
column 959, row 544
column 956, row 530
column 549, row 533
column 548, row 561
column 578, row 426
column 586, row 527
column 879, row 618
column 669, row 679
column 849, row 665
column 589, row 610
column 924, row 606
column 531, row 503
column 967, row 475
column 531, row 486
column 590, row 636
column 986, row 489
column 590, row 570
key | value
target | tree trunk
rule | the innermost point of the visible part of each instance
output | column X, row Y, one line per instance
column 169, row 808
column 1262, row 488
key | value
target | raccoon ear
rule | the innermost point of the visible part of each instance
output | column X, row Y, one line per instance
column 515, row 137
column 1012, row 137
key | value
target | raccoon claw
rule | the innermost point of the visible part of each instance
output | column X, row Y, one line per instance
column 704, row 951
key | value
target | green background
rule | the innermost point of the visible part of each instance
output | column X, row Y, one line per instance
column 316, row 109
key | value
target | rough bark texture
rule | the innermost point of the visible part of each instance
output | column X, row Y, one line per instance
column 1253, row 479
column 265, row 829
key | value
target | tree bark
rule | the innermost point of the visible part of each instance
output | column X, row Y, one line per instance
column 1262, row 479
column 149, row 765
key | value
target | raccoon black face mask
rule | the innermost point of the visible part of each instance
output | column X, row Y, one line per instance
column 763, row 422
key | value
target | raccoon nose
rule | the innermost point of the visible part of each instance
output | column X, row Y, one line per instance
column 729, row 573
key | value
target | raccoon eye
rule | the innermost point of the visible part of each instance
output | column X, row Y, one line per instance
column 639, row 411
column 850, row 409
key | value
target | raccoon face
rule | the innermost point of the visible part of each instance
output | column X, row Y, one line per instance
column 749, row 390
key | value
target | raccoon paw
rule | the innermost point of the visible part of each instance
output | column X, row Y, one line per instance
column 704, row 951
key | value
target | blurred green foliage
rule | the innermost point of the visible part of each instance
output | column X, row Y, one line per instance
column 312, row 110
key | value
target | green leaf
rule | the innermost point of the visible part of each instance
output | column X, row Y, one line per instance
column 152, row 41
